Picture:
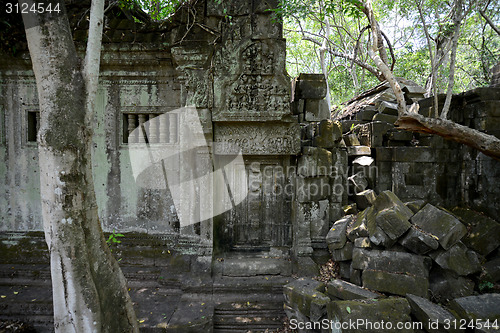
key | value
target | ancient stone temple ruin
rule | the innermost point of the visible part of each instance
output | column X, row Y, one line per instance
column 223, row 173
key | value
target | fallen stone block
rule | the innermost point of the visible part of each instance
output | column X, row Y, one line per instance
column 385, row 117
column 394, row 283
column 492, row 270
column 375, row 233
column 344, row 253
column 347, row 291
column 484, row 235
column 307, row 296
column 390, row 261
column 433, row 317
column 336, row 237
column 388, row 108
column 351, row 140
column 359, row 151
column 392, row 222
column 441, row 224
column 483, row 307
column 365, row 199
column 458, row 259
column 415, row 205
column 418, row 241
column 358, row 182
column 446, row 285
column 363, row 242
column 387, row 199
column 370, row 314
column 358, row 227
column 329, row 134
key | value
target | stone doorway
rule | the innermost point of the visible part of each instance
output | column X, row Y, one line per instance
column 261, row 221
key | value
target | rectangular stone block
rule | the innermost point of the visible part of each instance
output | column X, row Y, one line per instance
column 310, row 86
column 440, row 224
column 336, row 237
column 390, row 261
column 312, row 188
column 343, row 254
column 348, row 291
column 397, row 284
column 393, row 310
column 418, row 241
column 316, row 110
column 315, row 162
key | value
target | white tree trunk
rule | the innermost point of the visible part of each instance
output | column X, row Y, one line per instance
column 89, row 289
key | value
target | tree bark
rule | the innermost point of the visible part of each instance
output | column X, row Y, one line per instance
column 485, row 143
column 89, row 289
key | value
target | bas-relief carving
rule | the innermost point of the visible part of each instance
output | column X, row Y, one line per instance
column 257, row 139
column 250, row 84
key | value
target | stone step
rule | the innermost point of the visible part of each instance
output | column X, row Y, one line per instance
column 248, row 316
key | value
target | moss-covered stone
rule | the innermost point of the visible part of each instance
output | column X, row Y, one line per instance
column 394, row 283
column 441, row 224
column 370, row 313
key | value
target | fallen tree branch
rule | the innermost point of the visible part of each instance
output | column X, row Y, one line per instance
column 485, row 143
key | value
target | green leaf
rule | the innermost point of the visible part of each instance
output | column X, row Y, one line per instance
column 348, row 309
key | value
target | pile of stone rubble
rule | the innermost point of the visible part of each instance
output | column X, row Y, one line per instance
column 401, row 259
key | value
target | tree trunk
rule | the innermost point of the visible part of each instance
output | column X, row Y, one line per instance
column 89, row 289
column 485, row 143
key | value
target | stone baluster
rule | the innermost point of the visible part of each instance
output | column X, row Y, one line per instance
column 142, row 132
column 163, row 128
column 131, row 127
column 172, row 128
column 153, row 128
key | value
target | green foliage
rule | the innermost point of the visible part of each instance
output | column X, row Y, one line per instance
column 305, row 22
column 113, row 238
column 485, row 286
column 157, row 9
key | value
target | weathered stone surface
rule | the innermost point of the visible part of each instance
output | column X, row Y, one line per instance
column 415, row 205
column 362, row 242
column 336, row 237
column 320, row 223
column 351, row 140
column 307, row 296
column 358, row 182
column 390, row 261
column 375, row 232
column 398, row 284
column 429, row 313
column 387, row 199
column 314, row 162
column 418, row 241
column 492, row 270
column 358, row 227
column 310, row 86
column 329, row 134
column 312, row 188
column 458, row 259
column 344, row 253
column 365, row 199
column 385, row 118
column 255, row 266
column 388, row 108
column 348, row 291
column 484, row 236
column 441, row 224
column 392, row 222
column 371, row 312
column 483, row 307
column 446, row 285
column 359, row 151
column 316, row 110
column 256, row 139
